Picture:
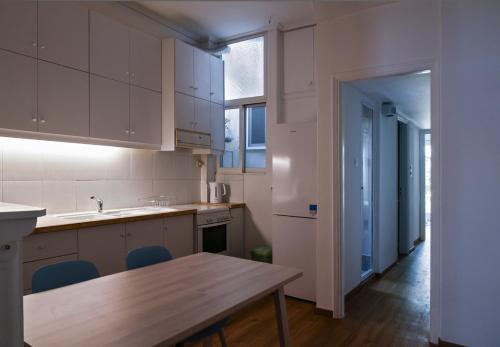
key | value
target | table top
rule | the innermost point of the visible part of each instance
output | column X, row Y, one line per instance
column 159, row 304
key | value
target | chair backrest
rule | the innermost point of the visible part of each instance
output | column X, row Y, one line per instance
column 147, row 256
column 63, row 274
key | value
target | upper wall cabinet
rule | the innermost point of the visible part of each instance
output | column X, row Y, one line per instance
column 109, row 48
column 201, row 74
column 124, row 54
column 17, row 92
column 145, row 116
column 145, row 60
column 63, row 34
column 298, row 52
column 192, row 71
column 216, row 80
column 18, row 27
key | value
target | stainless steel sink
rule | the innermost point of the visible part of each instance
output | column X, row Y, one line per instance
column 88, row 216
column 82, row 216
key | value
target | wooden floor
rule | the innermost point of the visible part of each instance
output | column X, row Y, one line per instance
column 390, row 311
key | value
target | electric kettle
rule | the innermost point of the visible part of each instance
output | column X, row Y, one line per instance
column 219, row 192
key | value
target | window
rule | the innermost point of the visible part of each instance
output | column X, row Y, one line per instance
column 244, row 69
column 255, row 126
column 245, row 116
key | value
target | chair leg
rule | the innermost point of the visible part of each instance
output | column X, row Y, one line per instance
column 208, row 342
column 179, row 344
column 222, row 337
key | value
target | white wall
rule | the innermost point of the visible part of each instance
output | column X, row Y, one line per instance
column 470, row 172
column 62, row 176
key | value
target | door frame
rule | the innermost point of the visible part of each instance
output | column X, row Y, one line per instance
column 422, row 135
column 337, row 198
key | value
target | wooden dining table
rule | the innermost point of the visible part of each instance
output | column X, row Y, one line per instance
column 158, row 305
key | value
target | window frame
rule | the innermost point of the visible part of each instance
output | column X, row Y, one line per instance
column 242, row 104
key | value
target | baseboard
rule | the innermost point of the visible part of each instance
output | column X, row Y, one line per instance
column 389, row 268
column 359, row 286
column 323, row 312
column 442, row 343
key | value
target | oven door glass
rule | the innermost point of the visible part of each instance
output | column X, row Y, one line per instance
column 215, row 239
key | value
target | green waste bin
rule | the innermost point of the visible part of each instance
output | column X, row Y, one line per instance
column 263, row 254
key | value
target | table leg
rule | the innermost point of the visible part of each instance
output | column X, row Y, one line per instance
column 281, row 317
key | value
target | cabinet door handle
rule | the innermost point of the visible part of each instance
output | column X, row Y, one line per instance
column 129, row 234
column 126, row 73
column 42, row 121
column 41, row 247
column 212, row 93
column 34, row 119
column 42, row 47
column 34, row 44
column 195, row 88
column 127, row 131
column 122, row 235
column 132, row 132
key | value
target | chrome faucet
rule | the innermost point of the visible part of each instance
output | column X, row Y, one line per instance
column 99, row 202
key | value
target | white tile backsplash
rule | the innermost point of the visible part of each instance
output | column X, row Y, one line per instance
column 62, row 177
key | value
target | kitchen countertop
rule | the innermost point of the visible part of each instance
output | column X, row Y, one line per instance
column 52, row 223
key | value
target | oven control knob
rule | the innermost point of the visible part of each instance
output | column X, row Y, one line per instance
column 209, row 220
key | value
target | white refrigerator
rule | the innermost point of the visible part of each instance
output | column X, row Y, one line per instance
column 294, row 204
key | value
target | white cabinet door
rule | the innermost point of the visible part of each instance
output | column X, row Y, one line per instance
column 145, row 60
column 179, row 235
column 217, row 126
column 184, row 65
column 145, row 115
column 298, row 56
column 17, row 92
column 216, row 80
column 237, row 236
column 144, row 233
column 18, row 26
column 63, row 100
column 109, row 47
column 202, row 116
column 201, row 74
column 184, row 111
column 48, row 245
column 104, row 246
column 109, row 109
column 63, row 34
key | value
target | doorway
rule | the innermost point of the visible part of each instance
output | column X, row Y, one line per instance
column 367, row 190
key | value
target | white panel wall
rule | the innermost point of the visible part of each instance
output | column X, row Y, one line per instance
column 62, row 176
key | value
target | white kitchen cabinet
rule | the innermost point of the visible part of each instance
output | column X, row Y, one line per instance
column 201, row 74
column 145, row 60
column 104, row 246
column 31, row 267
column 237, row 236
column 18, row 104
column 179, row 235
column 184, row 67
column 63, row 100
column 202, row 116
column 109, row 47
column 48, row 245
column 63, row 34
column 18, row 27
column 217, row 126
column 184, row 111
column 216, row 80
column 144, row 233
column 145, row 115
column 109, row 109
column 298, row 56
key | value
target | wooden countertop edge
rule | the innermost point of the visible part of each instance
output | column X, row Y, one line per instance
column 115, row 220
column 228, row 204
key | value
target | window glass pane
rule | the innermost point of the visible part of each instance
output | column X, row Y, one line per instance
column 244, row 69
column 231, row 156
column 255, row 149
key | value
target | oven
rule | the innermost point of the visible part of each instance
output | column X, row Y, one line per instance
column 213, row 232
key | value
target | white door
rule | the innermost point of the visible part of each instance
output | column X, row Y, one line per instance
column 294, row 245
column 145, row 60
column 109, row 109
column 145, row 115
column 109, row 47
column 216, row 80
column 17, row 92
column 63, row 34
column 217, row 126
column 63, row 100
column 201, row 74
column 18, row 27
column 144, row 233
column 104, row 246
column 202, row 119
column 179, row 235
column 298, row 58
column 184, row 111
column 184, row 65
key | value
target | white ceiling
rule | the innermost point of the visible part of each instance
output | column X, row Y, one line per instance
column 218, row 20
column 411, row 93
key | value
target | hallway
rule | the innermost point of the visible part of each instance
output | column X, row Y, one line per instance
column 390, row 311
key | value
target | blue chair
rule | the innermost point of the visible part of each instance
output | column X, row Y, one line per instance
column 63, row 274
column 151, row 255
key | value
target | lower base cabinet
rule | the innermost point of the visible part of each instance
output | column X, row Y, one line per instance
column 144, row 233
column 237, row 233
column 179, row 235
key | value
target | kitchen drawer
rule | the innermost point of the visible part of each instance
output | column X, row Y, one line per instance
column 30, row 268
column 48, row 245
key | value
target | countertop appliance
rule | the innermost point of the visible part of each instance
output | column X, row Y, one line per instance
column 294, row 204
column 213, row 227
column 219, row 192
